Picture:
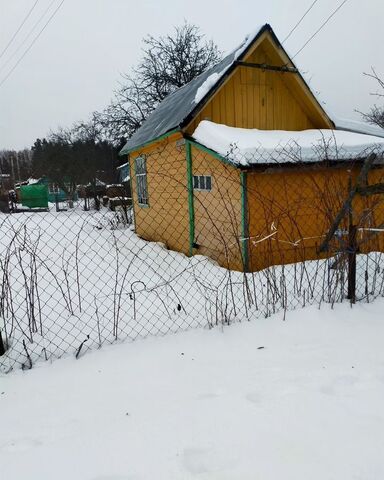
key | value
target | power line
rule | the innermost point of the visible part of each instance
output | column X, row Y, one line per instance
column 301, row 19
column 18, row 30
column 321, row 27
column 32, row 43
column 36, row 24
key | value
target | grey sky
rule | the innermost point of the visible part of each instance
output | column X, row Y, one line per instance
column 75, row 64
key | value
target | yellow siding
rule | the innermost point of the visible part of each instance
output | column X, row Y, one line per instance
column 166, row 218
column 264, row 99
column 218, row 212
column 291, row 211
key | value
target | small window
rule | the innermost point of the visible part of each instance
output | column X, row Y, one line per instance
column 141, row 180
column 53, row 188
column 202, row 182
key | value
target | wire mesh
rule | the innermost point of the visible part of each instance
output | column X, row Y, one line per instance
column 202, row 241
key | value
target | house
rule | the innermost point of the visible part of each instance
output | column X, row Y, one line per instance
column 42, row 190
column 55, row 192
column 125, row 178
column 244, row 165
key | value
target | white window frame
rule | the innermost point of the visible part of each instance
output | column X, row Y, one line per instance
column 53, row 188
column 141, row 181
column 202, row 183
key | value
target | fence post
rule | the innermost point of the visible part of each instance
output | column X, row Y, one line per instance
column 244, row 222
column 2, row 346
column 352, row 248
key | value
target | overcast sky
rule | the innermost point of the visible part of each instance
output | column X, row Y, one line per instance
column 74, row 66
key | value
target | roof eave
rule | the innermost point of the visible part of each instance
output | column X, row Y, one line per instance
column 126, row 151
column 223, row 159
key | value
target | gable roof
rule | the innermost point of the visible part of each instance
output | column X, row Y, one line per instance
column 176, row 110
column 180, row 107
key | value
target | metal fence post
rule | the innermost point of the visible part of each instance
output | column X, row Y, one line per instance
column 352, row 247
column 2, row 346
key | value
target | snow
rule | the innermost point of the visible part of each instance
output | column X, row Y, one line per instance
column 208, row 404
column 247, row 41
column 126, row 199
column 251, row 146
column 356, row 126
column 208, row 84
column 340, row 123
column 33, row 181
column 98, row 183
column 215, row 77
column 122, row 166
column 98, row 281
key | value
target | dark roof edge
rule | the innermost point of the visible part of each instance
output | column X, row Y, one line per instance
column 218, row 156
column 127, row 151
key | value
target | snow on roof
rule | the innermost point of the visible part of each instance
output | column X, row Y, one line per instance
column 176, row 108
column 251, row 146
column 33, row 181
column 98, row 183
column 208, row 84
column 358, row 127
column 122, row 166
column 248, row 40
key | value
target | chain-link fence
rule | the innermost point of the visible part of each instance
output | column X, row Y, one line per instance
column 203, row 241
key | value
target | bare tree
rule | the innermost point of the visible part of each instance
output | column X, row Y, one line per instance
column 168, row 62
column 375, row 116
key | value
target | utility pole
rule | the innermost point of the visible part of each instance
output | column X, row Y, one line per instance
column 18, row 167
column 11, row 158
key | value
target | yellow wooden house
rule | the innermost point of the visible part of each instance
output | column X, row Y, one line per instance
column 228, row 166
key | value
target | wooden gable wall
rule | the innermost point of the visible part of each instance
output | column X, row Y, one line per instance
column 263, row 99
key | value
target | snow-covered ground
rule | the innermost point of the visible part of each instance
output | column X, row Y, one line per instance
column 73, row 277
column 208, row 404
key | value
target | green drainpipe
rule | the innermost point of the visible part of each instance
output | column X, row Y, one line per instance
column 191, row 207
column 244, row 221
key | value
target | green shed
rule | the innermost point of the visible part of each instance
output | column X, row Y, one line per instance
column 34, row 196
